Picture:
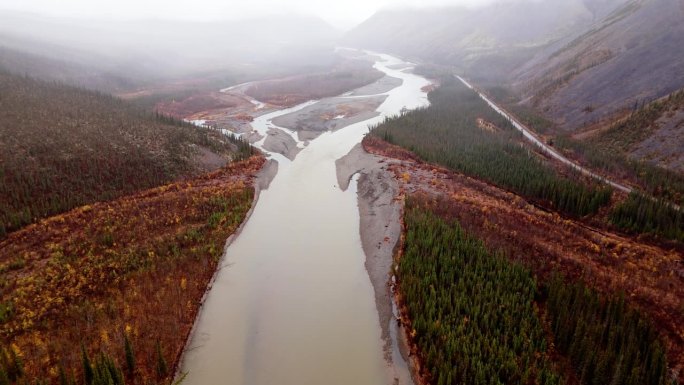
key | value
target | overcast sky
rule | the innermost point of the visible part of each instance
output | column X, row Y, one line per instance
column 342, row 13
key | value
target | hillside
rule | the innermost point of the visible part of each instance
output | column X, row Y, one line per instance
column 576, row 61
column 154, row 50
column 653, row 133
column 483, row 42
column 114, row 287
column 62, row 147
column 85, row 72
column 631, row 56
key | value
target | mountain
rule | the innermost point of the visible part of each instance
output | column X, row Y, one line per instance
column 485, row 42
column 141, row 52
column 577, row 60
column 65, row 66
column 580, row 63
column 632, row 55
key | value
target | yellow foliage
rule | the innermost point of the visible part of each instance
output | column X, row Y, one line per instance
column 17, row 350
column 104, row 336
column 595, row 248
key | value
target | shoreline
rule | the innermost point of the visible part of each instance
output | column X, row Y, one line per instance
column 380, row 206
column 263, row 179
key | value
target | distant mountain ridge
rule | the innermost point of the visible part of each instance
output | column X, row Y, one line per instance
column 145, row 51
column 470, row 38
column 563, row 56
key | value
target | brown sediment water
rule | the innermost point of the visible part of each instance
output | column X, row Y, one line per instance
column 293, row 303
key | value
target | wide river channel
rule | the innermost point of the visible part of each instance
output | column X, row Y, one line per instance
column 292, row 303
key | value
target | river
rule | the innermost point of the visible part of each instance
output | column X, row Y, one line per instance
column 292, row 303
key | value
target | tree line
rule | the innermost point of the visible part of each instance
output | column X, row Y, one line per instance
column 63, row 147
column 477, row 317
column 646, row 215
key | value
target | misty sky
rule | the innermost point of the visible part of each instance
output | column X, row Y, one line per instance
column 342, row 13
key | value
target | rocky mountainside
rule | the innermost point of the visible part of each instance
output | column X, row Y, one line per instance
column 634, row 54
column 576, row 60
column 486, row 42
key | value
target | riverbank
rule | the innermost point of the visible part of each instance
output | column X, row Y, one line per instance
column 330, row 115
column 130, row 272
column 262, row 180
column 380, row 202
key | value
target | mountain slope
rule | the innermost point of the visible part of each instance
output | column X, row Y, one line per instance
column 654, row 133
column 66, row 66
column 62, row 147
column 483, row 42
column 632, row 55
column 161, row 48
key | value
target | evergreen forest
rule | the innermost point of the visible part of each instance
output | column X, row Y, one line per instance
column 478, row 318
column 447, row 133
column 62, row 147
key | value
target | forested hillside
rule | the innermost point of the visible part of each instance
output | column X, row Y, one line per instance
column 461, row 132
column 62, row 147
column 477, row 318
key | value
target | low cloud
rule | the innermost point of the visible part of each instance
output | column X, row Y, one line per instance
column 339, row 10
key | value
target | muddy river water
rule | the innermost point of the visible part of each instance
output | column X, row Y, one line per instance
column 292, row 302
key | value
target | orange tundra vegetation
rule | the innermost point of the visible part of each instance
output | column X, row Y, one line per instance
column 120, row 280
column 650, row 275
